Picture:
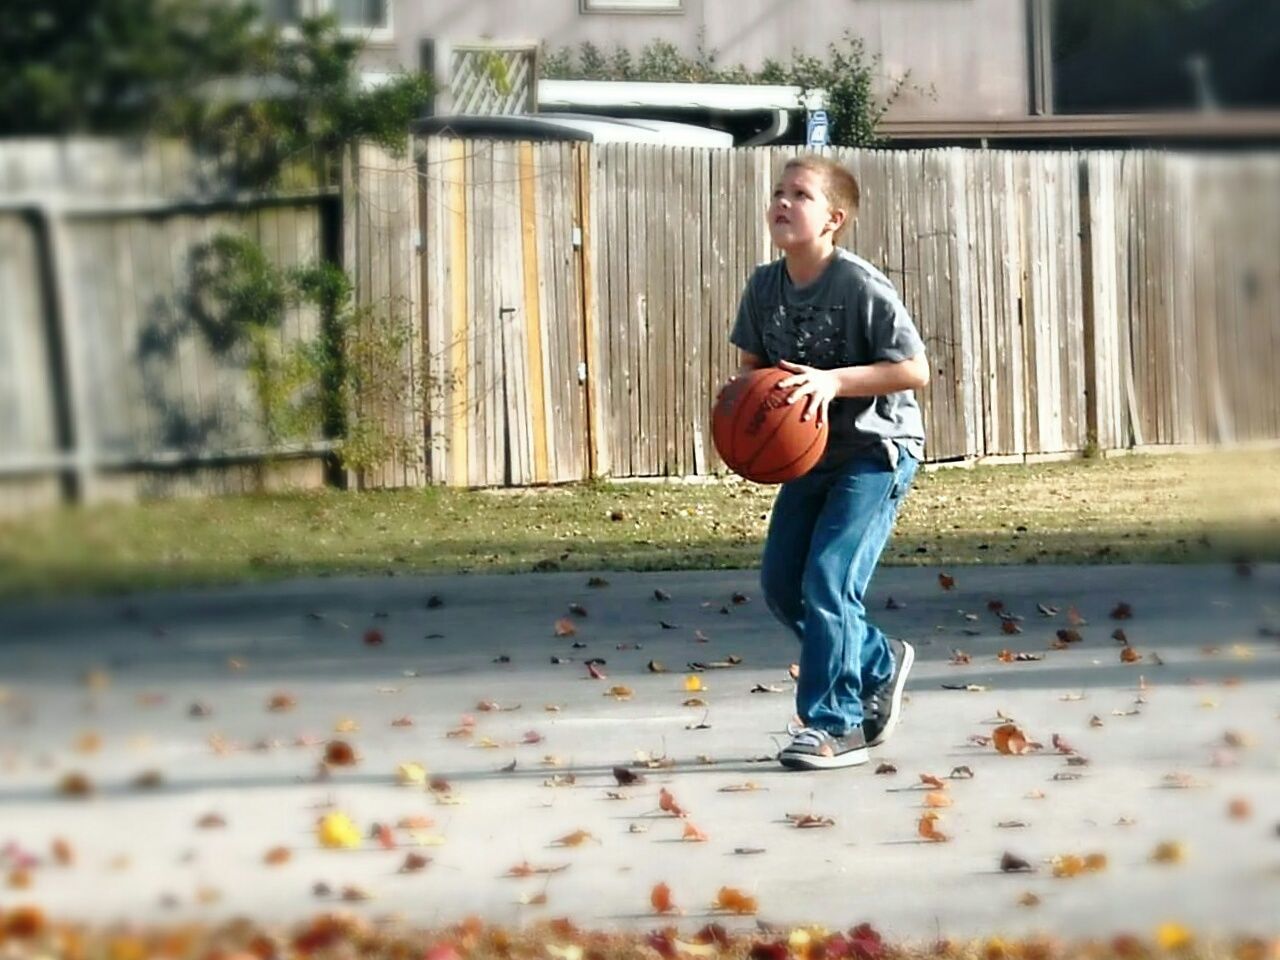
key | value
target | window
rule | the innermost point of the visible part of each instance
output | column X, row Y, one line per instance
column 371, row 18
column 631, row 6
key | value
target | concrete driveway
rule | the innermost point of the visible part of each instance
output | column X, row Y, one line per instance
column 162, row 703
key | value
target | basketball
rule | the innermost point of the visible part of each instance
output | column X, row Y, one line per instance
column 759, row 435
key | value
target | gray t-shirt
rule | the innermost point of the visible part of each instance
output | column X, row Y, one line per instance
column 850, row 315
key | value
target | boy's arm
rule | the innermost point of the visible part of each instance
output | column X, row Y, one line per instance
column 867, row 380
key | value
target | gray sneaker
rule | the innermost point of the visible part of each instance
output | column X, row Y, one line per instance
column 813, row 749
column 881, row 710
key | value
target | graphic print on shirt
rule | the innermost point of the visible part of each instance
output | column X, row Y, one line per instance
column 808, row 334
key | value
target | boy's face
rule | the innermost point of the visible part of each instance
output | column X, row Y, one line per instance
column 800, row 215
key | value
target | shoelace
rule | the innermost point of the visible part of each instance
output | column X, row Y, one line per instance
column 809, row 737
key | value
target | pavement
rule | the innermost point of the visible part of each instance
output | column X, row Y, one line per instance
column 161, row 703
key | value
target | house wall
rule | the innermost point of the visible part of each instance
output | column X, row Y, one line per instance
column 966, row 58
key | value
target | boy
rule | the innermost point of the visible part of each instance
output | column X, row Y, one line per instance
column 838, row 326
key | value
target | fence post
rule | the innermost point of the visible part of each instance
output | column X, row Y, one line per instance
column 1091, row 385
column 67, row 356
column 590, row 326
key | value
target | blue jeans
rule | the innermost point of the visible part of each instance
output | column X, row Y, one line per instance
column 825, row 538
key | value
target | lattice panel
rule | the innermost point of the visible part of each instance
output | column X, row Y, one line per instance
column 492, row 80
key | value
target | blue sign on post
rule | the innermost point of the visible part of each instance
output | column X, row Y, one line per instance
column 819, row 133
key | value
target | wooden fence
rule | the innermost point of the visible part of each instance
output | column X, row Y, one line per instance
column 571, row 305
column 106, row 384
column 578, row 298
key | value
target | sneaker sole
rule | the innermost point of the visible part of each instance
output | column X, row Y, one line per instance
column 805, row 761
column 895, row 709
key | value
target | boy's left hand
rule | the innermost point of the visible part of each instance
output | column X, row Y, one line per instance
column 820, row 386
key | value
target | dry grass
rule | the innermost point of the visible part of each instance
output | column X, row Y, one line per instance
column 1187, row 508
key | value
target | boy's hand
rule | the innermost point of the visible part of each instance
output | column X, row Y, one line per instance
column 820, row 386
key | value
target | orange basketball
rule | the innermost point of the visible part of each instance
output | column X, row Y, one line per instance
column 759, row 435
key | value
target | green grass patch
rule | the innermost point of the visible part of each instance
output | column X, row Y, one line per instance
column 1185, row 508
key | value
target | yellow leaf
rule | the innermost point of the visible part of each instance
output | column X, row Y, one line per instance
column 575, row 839
column 571, row 952
column 346, row 725
column 1173, row 936
column 1170, row 851
column 411, row 774
column 693, row 684
column 619, row 692
column 337, row 831
column 696, row 949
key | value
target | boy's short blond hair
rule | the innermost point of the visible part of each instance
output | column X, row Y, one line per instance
column 840, row 185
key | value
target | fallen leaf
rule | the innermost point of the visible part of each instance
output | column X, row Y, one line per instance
column 766, row 688
column 693, row 834
column 1129, row 655
column 693, row 684
column 661, row 595
column 1061, row 745
column 667, row 803
column 739, row 599
column 1046, row 610
column 937, row 799
column 1011, row 824
column 1011, row 863
column 619, row 692
column 148, row 780
column 526, row 869
column 564, row 627
column 373, row 637
column 660, row 899
column 1009, row 628
column 1239, row 809
column 1173, row 937
column 384, row 835
column 960, row 773
column 1074, row 618
column 1069, row 635
column 76, row 785
column 946, row 581
column 928, row 828
column 626, row 777
column 735, row 901
column 657, row 666
column 810, row 821
column 354, row 893
column 337, row 831
column 1095, row 721
column 577, row 609
column 64, row 854
column 929, row 780
column 885, row 768
column 595, row 673
column 1028, row 899
column 1169, row 851
column 1009, row 740
column 1121, row 611
column 277, row 856
column 339, row 753
column 281, row 703
column 575, row 839
column 959, row 658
